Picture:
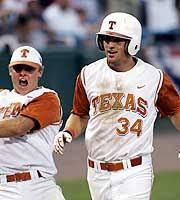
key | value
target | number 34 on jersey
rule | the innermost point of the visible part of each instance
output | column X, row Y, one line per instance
column 119, row 101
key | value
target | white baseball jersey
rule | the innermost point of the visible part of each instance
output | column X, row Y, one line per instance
column 122, row 107
column 32, row 151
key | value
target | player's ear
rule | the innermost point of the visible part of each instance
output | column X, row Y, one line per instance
column 41, row 70
column 10, row 71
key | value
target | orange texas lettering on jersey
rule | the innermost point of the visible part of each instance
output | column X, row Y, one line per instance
column 10, row 111
column 114, row 101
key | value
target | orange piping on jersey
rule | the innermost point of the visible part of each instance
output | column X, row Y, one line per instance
column 83, row 76
column 80, row 100
column 158, row 87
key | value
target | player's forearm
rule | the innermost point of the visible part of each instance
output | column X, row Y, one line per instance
column 7, row 128
column 76, row 125
column 15, row 126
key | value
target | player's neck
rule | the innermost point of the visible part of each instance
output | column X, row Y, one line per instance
column 123, row 65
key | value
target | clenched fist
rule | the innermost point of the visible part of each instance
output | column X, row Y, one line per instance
column 60, row 139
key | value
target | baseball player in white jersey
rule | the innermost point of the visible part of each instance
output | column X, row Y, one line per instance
column 30, row 118
column 116, row 100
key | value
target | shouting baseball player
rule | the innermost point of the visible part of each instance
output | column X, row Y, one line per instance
column 116, row 100
column 30, row 116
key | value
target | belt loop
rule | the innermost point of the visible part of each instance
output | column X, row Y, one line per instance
column 128, row 163
column 39, row 174
column 35, row 174
column 97, row 166
column 3, row 179
column 125, row 165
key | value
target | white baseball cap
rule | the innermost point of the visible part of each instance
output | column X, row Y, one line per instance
column 26, row 55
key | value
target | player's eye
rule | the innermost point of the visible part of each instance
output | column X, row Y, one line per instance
column 108, row 39
column 27, row 68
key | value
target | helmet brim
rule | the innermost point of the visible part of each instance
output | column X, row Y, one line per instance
column 32, row 64
column 113, row 34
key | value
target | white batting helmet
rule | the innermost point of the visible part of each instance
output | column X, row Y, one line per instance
column 124, row 26
column 26, row 55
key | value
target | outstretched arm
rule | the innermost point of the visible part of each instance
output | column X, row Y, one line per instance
column 16, row 126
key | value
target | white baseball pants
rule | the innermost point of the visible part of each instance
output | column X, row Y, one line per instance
column 132, row 183
column 36, row 189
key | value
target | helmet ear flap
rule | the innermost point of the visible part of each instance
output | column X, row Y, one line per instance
column 99, row 42
column 133, row 47
column 126, row 47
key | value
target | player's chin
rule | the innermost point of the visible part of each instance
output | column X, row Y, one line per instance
column 112, row 60
column 23, row 89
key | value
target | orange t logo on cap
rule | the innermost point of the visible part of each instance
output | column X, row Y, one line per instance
column 24, row 53
column 111, row 24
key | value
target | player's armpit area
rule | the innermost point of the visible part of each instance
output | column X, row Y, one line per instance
column 176, row 120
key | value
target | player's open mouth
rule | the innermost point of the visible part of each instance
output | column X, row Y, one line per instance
column 111, row 53
column 23, row 82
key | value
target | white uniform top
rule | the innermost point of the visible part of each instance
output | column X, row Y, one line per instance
column 32, row 151
column 122, row 107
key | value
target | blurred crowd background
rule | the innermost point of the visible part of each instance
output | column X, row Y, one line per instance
column 46, row 24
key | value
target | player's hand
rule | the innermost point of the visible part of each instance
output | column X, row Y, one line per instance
column 59, row 141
